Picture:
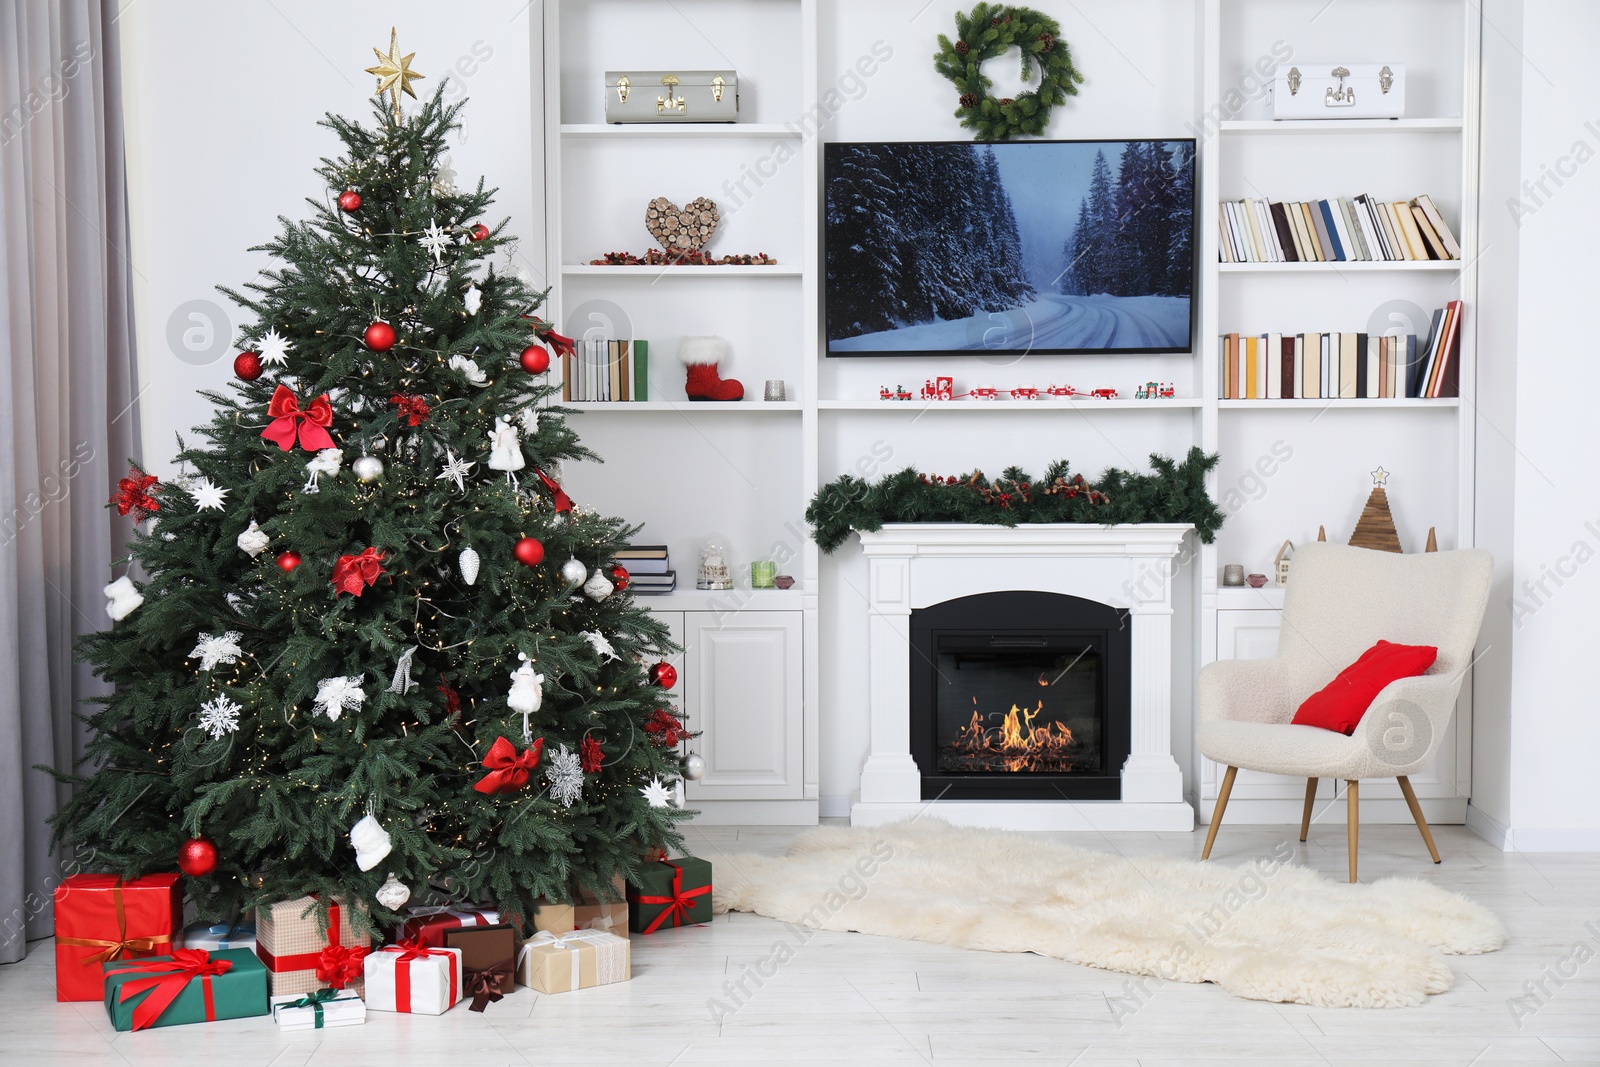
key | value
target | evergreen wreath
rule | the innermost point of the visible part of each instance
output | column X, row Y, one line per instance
column 1172, row 492
column 990, row 30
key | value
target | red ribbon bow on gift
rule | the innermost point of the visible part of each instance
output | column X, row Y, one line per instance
column 416, row 949
column 508, row 769
column 168, row 978
column 288, row 420
column 338, row 966
column 558, row 495
column 353, row 573
column 678, row 905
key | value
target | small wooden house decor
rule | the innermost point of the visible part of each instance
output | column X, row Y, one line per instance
column 1280, row 564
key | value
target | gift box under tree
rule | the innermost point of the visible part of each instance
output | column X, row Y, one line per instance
column 189, row 986
column 216, row 937
column 100, row 918
column 590, row 912
column 670, row 892
column 414, row 978
column 429, row 924
column 320, row 1010
column 300, row 956
column 577, row 959
column 488, row 962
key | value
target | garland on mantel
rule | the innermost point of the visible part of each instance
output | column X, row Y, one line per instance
column 1173, row 492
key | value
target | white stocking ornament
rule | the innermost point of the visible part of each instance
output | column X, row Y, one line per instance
column 371, row 842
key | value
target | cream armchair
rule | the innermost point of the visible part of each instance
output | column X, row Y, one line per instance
column 1338, row 603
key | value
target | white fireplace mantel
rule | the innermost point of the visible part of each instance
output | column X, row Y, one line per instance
column 917, row 565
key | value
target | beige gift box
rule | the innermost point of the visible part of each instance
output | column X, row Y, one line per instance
column 292, row 945
column 577, row 959
column 588, row 914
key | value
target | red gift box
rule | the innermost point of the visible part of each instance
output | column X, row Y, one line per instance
column 100, row 918
column 428, row 924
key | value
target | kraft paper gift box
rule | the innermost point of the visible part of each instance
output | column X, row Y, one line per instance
column 589, row 913
column 429, row 924
column 319, row 1010
column 668, row 893
column 577, row 959
column 299, row 956
column 414, row 978
column 189, row 986
column 215, row 937
column 100, row 919
column 488, row 961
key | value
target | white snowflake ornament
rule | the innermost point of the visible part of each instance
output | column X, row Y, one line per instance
column 566, row 777
column 223, row 648
column 326, row 462
column 456, row 468
column 371, row 842
column 207, row 496
column 657, row 794
column 601, row 646
column 123, row 598
column 338, row 693
column 273, row 348
column 529, row 419
column 435, row 241
column 219, row 716
column 469, row 369
column 253, row 541
column 472, row 299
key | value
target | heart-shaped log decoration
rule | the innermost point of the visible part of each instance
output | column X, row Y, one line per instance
column 681, row 229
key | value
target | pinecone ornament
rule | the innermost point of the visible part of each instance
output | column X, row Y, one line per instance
column 968, row 100
column 1049, row 42
column 1006, row 101
column 962, row 48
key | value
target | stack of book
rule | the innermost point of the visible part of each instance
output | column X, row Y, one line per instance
column 1325, row 366
column 1330, row 231
column 602, row 370
column 649, row 570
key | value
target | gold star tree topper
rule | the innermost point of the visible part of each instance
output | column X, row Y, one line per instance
column 394, row 74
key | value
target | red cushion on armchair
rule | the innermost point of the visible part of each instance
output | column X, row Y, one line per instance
column 1340, row 704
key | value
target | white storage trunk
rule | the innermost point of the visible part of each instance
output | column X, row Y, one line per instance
column 1339, row 91
column 672, row 96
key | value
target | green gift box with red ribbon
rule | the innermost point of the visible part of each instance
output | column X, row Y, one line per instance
column 189, row 986
column 669, row 893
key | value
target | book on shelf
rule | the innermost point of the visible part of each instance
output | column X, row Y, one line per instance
column 601, row 370
column 652, row 584
column 1338, row 230
column 1344, row 366
column 647, row 564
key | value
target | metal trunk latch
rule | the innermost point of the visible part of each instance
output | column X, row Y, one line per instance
column 671, row 101
column 1341, row 96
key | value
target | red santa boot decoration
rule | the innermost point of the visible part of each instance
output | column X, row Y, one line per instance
column 702, row 356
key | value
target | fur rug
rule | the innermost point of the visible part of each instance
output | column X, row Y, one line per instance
column 1266, row 931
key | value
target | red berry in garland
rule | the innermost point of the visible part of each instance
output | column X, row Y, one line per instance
column 664, row 674
column 529, row 551
column 534, row 359
column 288, row 561
column 349, row 200
column 379, row 337
column 480, row 232
column 197, row 857
column 247, row 366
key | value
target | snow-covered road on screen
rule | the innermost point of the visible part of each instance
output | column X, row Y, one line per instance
column 1051, row 323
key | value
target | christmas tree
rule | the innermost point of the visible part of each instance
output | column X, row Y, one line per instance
column 374, row 627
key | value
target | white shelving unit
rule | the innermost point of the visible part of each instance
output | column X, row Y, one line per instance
column 743, row 471
column 1289, row 466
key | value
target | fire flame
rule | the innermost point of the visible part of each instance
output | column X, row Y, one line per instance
column 1015, row 745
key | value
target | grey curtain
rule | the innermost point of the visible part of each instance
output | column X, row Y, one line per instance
column 67, row 410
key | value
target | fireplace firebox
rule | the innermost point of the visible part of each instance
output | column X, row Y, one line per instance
column 1020, row 694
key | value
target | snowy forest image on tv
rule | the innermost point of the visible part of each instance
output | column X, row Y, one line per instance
column 1042, row 246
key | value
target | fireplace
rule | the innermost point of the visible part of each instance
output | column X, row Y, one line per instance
column 1020, row 694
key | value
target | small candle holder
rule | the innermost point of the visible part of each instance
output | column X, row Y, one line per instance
column 1233, row 574
column 762, row 572
column 774, row 390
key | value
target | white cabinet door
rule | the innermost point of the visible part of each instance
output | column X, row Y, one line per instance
column 1249, row 634
column 741, row 680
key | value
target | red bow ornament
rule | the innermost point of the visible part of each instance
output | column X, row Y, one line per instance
column 665, row 728
column 509, row 769
column 288, row 421
column 558, row 495
column 133, row 494
column 168, row 978
column 564, row 346
column 338, row 966
column 353, row 573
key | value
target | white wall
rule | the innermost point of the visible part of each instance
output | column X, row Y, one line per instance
column 222, row 102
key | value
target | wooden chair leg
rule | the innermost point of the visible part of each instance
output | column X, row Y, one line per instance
column 1216, row 813
column 1416, row 813
column 1305, row 816
column 1352, row 828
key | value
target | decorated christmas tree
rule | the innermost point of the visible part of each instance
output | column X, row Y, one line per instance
column 373, row 635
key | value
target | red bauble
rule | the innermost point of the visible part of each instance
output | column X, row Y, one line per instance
column 619, row 576
column 247, row 366
column 529, row 551
column 288, row 561
column 197, row 857
column 535, row 360
column 349, row 200
column 664, row 675
column 379, row 337
column 480, row 232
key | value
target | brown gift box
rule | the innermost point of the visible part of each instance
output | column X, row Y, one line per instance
column 488, row 961
column 590, row 913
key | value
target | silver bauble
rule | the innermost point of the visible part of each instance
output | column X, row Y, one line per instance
column 368, row 468
column 694, row 767
column 392, row 894
column 573, row 572
column 598, row 587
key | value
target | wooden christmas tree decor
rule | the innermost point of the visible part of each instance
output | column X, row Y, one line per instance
column 1375, row 529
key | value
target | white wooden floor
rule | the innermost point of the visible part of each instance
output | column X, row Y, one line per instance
column 852, row 998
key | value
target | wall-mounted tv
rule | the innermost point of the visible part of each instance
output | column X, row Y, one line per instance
column 950, row 247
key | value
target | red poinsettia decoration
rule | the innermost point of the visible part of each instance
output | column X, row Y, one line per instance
column 589, row 755
column 413, row 409
column 289, row 422
column 353, row 573
column 665, row 728
column 509, row 770
column 133, row 495
column 452, row 699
